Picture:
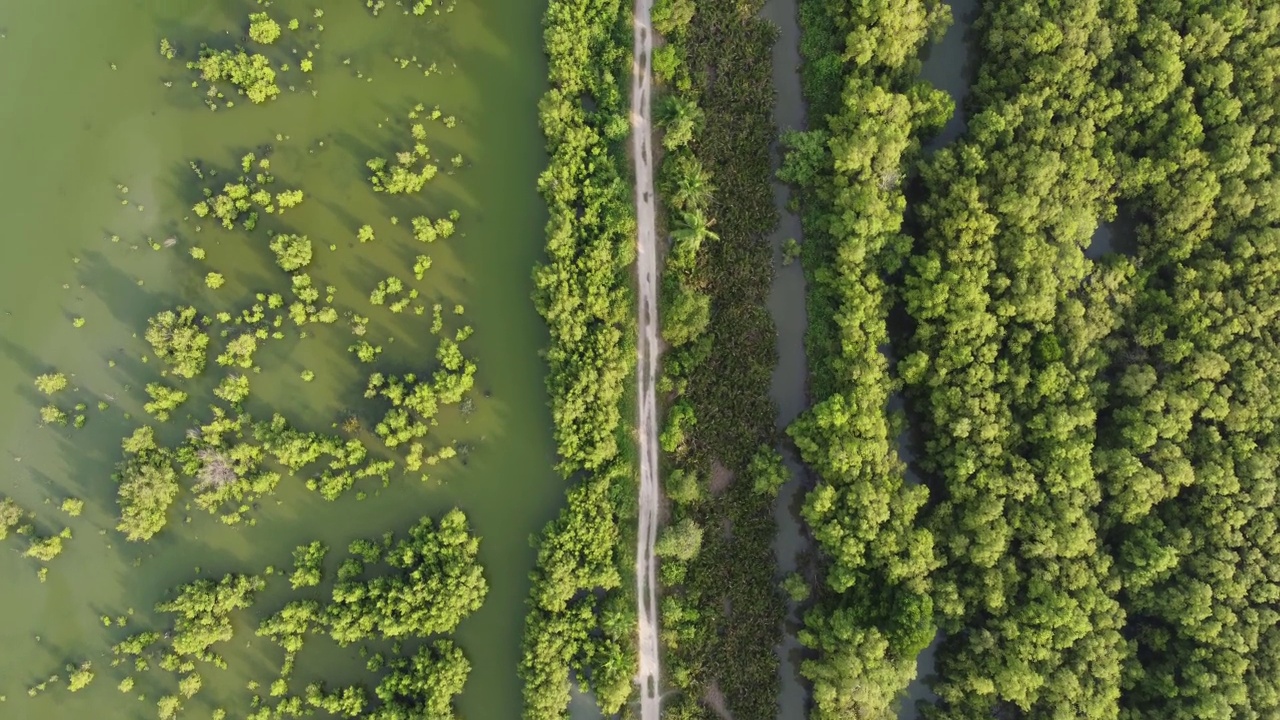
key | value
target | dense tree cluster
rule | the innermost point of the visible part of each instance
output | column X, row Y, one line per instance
column 1003, row 364
column 1098, row 433
column 251, row 74
column 580, row 622
column 721, row 611
column 202, row 612
column 436, row 562
column 1187, row 450
column 307, row 565
column 1078, row 508
column 873, row 613
column 178, row 341
column 148, row 485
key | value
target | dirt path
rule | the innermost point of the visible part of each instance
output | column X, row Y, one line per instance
column 647, row 368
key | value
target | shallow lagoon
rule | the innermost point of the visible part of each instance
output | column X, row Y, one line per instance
column 85, row 110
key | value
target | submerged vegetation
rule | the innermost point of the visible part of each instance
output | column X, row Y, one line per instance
column 215, row 438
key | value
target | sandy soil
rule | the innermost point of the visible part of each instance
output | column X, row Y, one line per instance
column 648, row 676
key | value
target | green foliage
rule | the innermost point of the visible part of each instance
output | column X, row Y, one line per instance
column 189, row 685
column 177, row 341
column 239, row 351
column 796, row 587
column 168, row 707
column 392, row 286
column 582, row 290
column 578, row 619
column 671, row 17
column 715, row 184
column 411, row 169
column 246, row 197
column 685, row 313
column 577, row 556
column 44, row 549
column 252, row 74
column 437, row 582
column 262, row 29
column 51, row 383
column 307, row 561
column 1185, row 452
column 80, row 677
column 681, row 118
column 202, row 611
column 686, row 186
column 421, row 265
column 164, row 400
column 365, row 351
column 427, row 230
column 859, row 77
column 214, row 280
column 415, row 402
column 767, row 472
column 11, row 515
column 293, row 252
column 683, row 487
column 71, row 506
column 234, row 388
column 680, row 541
column 148, row 485
column 790, row 251
column 424, row 685
column 52, row 415
column 679, row 419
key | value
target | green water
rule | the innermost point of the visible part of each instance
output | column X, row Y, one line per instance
column 72, row 127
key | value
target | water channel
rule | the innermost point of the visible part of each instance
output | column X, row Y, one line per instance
column 84, row 109
column 950, row 65
column 788, row 389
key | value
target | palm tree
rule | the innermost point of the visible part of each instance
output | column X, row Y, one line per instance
column 689, row 187
column 694, row 227
column 681, row 118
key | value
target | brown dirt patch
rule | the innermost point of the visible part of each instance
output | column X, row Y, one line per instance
column 720, row 478
column 714, row 699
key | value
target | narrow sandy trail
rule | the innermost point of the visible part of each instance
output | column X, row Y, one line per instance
column 647, row 363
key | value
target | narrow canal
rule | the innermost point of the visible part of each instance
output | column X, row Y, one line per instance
column 787, row 306
column 949, row 65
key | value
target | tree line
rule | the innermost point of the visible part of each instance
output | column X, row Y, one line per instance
column 582, row 618
column 873, row 611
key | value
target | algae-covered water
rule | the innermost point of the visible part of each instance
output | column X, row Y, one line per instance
column 85, row 112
